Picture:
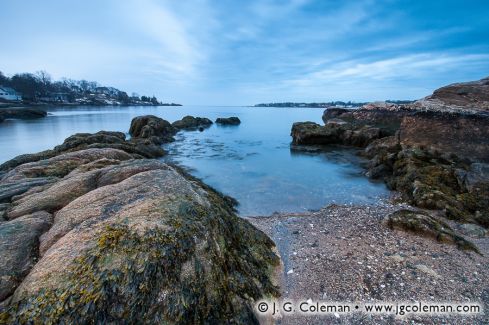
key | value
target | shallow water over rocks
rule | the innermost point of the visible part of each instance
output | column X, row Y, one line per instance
column 252, row 162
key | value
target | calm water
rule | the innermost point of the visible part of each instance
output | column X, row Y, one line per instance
column 252, row 162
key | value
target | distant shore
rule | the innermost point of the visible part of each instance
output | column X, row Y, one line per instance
column 42, row 104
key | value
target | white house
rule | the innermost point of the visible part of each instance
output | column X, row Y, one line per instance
column 9, row 93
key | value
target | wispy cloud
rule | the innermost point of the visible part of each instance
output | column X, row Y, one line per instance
column 410, row 66
column 241, row 52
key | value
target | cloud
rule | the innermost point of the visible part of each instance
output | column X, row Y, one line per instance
column 409, row 66
column 241, row 52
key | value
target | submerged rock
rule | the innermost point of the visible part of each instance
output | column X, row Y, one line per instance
column 132, row 240
column 190, row 122
column 228, row 120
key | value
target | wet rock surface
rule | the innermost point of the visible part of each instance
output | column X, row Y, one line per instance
column 333, row 133
column 113, row 237
column 192, row 123
column 151, row 127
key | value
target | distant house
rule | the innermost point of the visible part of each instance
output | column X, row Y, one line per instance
column 8, row 93
column 109, row 91
column 55, row 97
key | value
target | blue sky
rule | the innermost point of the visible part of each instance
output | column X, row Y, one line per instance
column 244, row 52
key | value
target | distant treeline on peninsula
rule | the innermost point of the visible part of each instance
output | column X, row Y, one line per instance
column 39, row 88
column 327, row 104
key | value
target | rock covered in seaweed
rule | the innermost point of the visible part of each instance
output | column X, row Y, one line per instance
column 132, row 240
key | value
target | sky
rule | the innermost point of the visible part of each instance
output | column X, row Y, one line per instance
column 233, row 52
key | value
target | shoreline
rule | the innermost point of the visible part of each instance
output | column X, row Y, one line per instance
column 99, row 224
column 348, row 254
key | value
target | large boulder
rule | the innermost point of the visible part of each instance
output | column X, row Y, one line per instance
column 191, row 122
column 152, row 127
column 313, row 133
column 332, row 113
column 155, row 247
column 62, row 164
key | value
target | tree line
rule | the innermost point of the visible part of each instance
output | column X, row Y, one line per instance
column 34, row 86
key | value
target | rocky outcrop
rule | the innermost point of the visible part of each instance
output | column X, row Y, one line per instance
column 465, row 97
column 116, row 238
column 332, row 113
column 333, row 133
column 233, row 120
column 190, row 122
column 137, row 147
column 21, row 113
column 76, row 184
column 388, row 118
column 433, row 155
column 153, row 128
column 460, row 134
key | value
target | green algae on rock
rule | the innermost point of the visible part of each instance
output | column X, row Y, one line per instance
column 134, row 241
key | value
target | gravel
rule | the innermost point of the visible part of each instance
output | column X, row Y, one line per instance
column 346, row 253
